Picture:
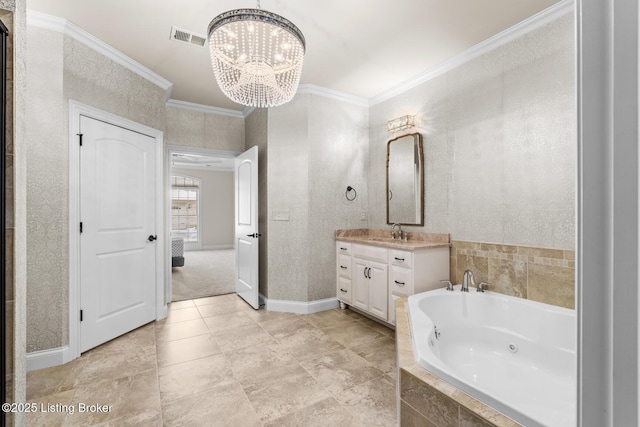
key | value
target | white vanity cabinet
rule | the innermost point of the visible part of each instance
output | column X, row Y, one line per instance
column 370, row 280
column 371, row 277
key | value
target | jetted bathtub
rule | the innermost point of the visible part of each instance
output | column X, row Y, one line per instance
column 516, row 355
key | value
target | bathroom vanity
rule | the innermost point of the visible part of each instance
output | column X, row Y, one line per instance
column 373, row 270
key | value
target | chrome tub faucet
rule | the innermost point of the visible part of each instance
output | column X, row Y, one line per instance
column 468, row 279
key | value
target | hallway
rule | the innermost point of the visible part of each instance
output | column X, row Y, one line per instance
column 217, row 362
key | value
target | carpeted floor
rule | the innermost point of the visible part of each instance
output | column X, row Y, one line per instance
column 205, row 273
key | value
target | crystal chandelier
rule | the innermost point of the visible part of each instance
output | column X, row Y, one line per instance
column 256, row 56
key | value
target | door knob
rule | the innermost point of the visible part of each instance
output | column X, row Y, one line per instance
column 254, row 235
column 151, row 238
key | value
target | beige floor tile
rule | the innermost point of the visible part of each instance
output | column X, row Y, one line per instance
column 296, row 390
column 175, row 331
column 353, row 334
column 183, row 314
column 57, row 379
column 379, row 327
column 225, row 322
column 263, row 315
column 328, row 318
column 124, row 357
column 177, row 305
column 148, row 418
column 223, row 363
column 127, row 397
column 372, row 403
column 186, row 349
column 222, row 308
column 184, row 379
column 381, row 353
column 261, row 363
column 326, row 413
column 50, row 410
column 211, row 408
column 214, row 300
column 235, row 339
column 308, row 343
column 286, row 326
column 340, row 370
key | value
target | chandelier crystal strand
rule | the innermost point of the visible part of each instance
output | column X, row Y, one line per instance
column 256, row 56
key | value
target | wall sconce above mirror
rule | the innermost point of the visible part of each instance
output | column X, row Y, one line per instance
column 400, row 123
column 405, row 182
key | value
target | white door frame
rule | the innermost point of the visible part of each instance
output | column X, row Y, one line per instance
column 76, row 110
column 167, row 197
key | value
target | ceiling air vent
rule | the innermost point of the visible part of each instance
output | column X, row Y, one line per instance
column 184, row 36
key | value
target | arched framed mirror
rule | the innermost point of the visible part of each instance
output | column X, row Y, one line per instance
column 405, row 180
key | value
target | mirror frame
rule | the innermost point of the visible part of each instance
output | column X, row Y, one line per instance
column 417, row 136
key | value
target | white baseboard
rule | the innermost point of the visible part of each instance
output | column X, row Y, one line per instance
column 48, row 358
column 299, row 307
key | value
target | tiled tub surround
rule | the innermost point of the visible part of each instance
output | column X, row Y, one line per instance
column 539, row 274
column 424, row 400
column 516, row 355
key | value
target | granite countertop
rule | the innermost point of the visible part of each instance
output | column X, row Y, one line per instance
column 381, row 237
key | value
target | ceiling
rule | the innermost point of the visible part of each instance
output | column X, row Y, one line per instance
column 356, row 47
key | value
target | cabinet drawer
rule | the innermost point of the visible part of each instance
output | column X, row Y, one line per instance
column 400, row 282
column 344, row 266
column 343, row 248
column 373, row 253
column 401, row 258
column 344, row 289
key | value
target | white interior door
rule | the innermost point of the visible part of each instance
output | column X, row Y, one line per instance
column 246, row 219
column 118, row 225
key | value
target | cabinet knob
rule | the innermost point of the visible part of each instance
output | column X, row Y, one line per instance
column 343, row 290
column 399, row 283
column 399, row 259
column 343, row 267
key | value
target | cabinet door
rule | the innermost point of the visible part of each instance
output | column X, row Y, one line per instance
column 360, row 283
column 378, row 291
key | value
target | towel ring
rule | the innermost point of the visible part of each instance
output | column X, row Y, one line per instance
column 349, row 190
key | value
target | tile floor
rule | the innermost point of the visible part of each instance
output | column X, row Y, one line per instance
column 217, row 362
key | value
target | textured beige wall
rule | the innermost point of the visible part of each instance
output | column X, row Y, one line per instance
column 216, row 208
column 198, row 129
column 316, row 147
column 499, row 143
column 59, row 69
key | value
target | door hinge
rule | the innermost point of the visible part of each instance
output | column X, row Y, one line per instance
column 80, row 136
column 81, row 315
column 80, row 227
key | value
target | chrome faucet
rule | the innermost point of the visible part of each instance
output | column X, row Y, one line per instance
column 393, row 232
column 467, row 278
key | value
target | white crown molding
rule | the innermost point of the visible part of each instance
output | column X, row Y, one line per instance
column 332, row 94
column 53, row 23
column 534, row 22
column 205, row 108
